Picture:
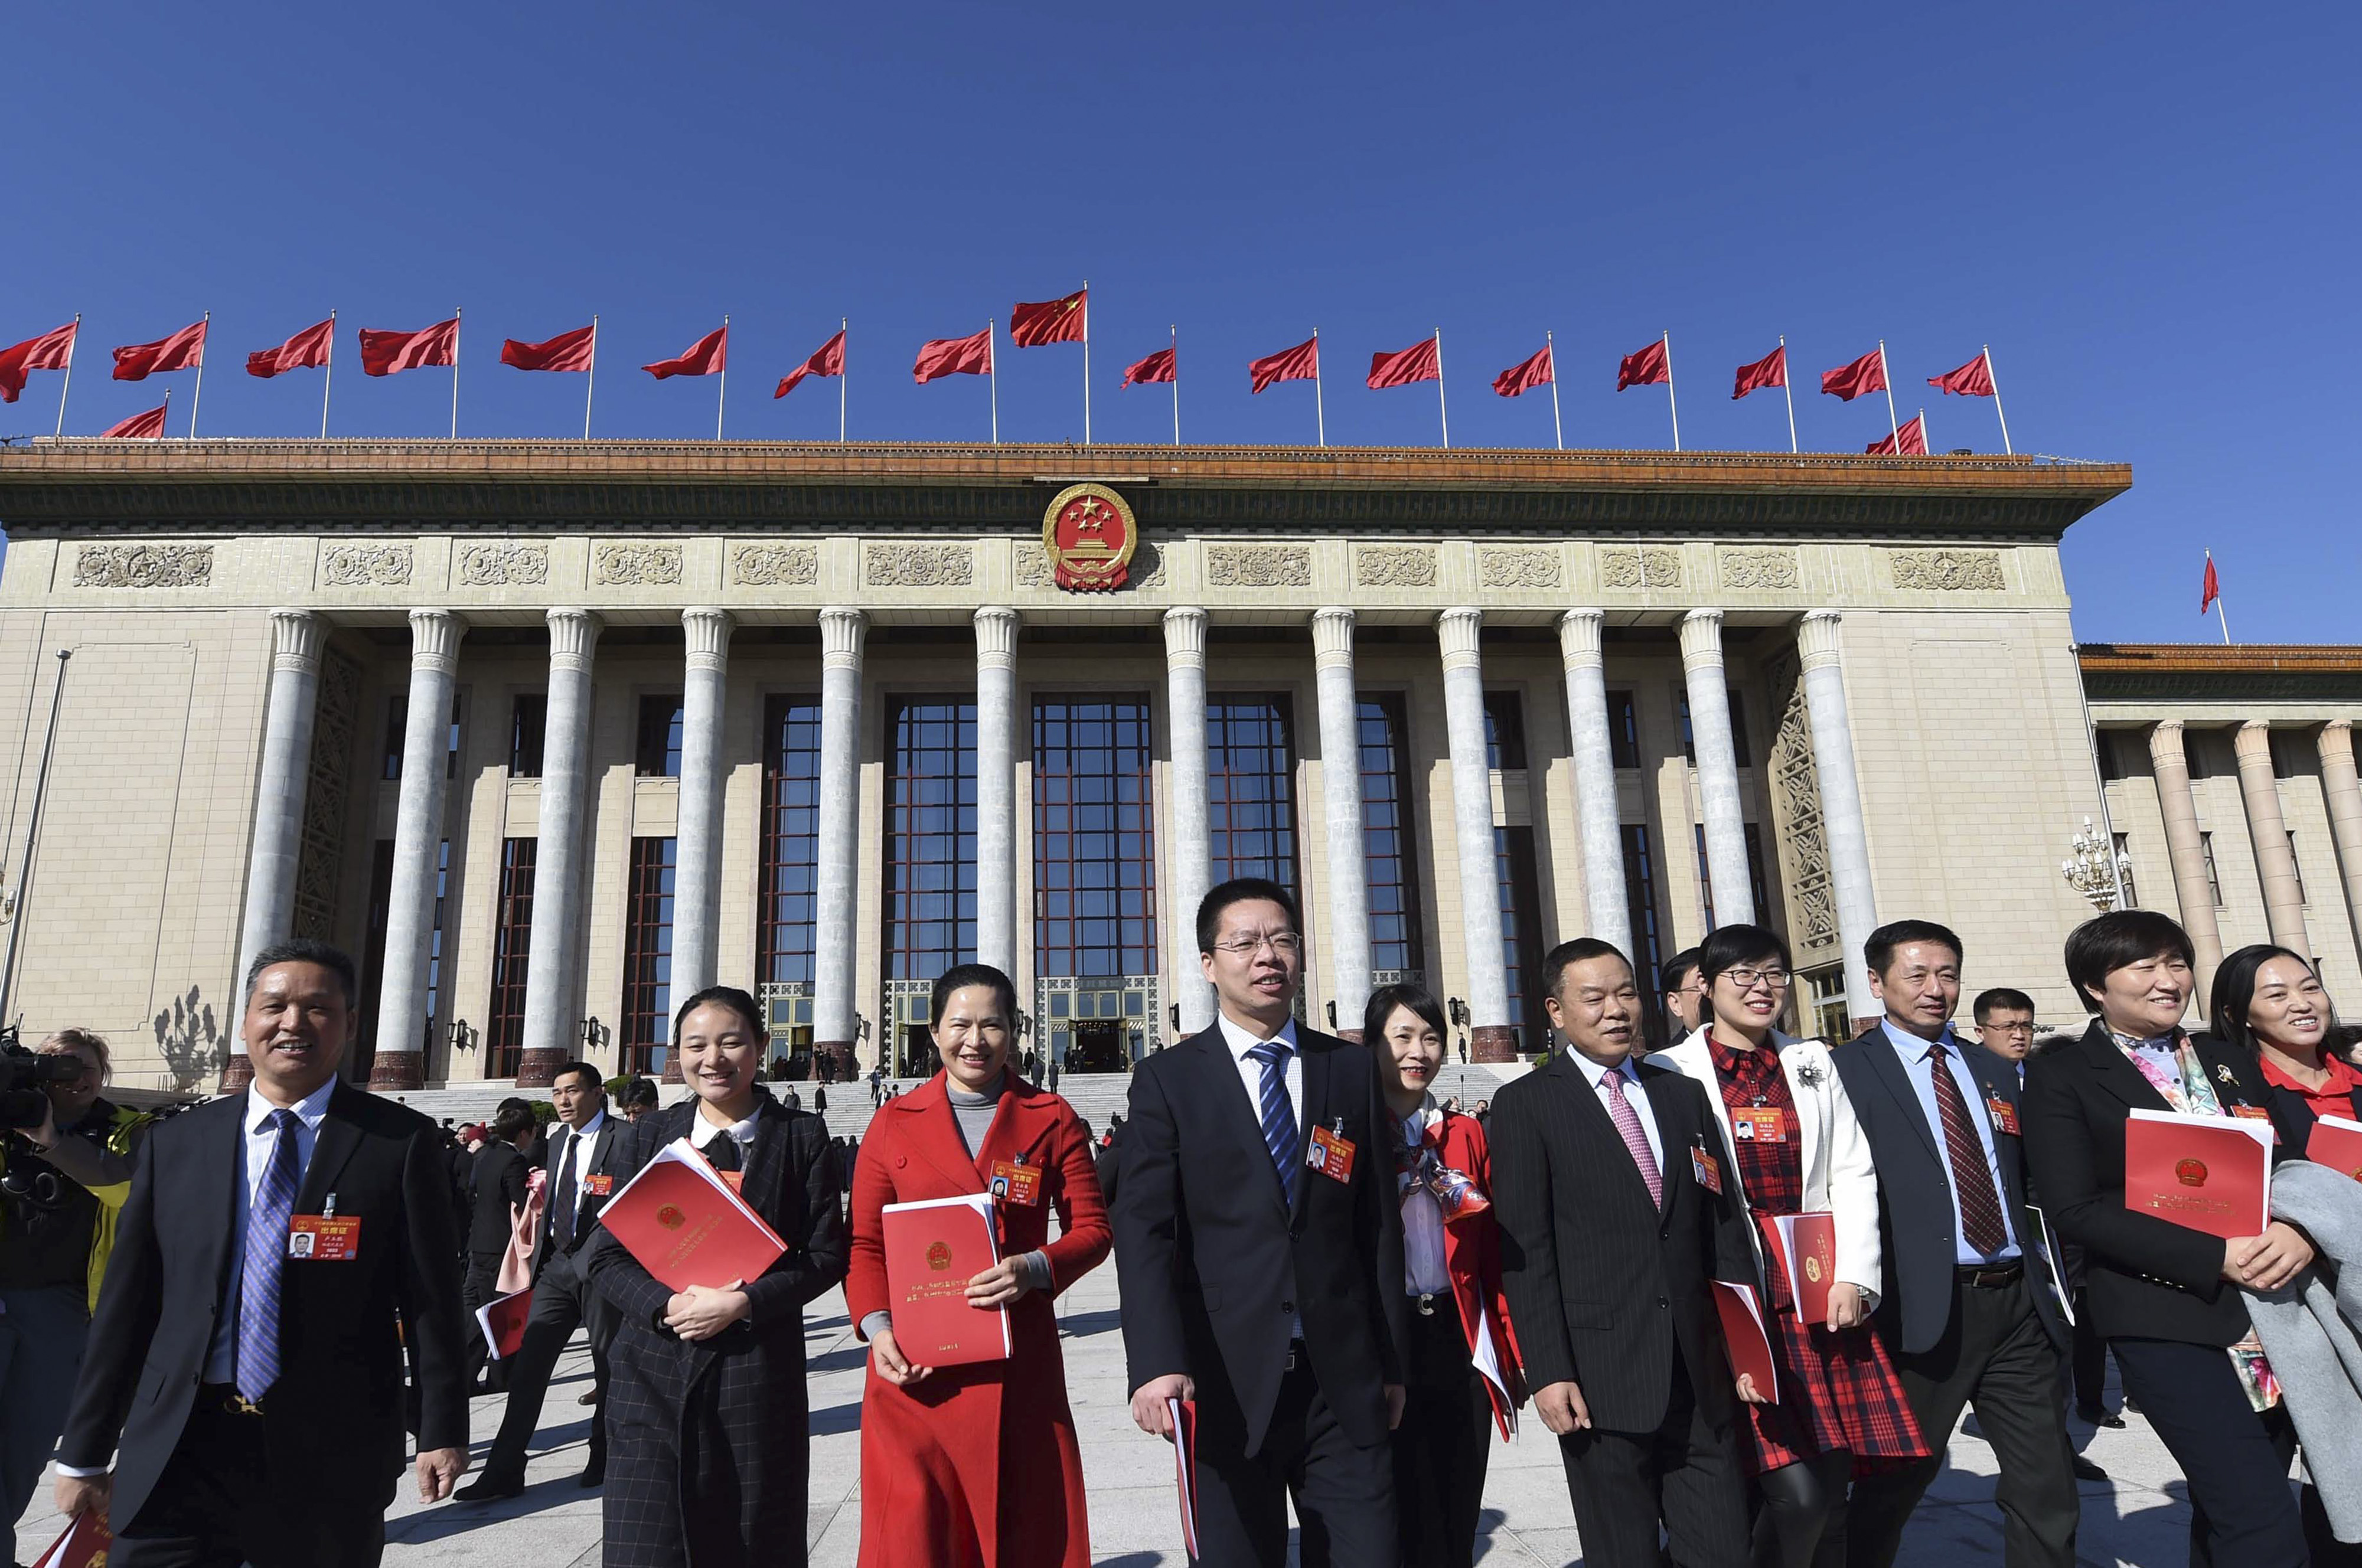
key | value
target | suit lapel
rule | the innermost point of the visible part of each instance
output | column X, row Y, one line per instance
column 1317, row 1066
column 1886, row 1067
column 767, row 1161
column 331, row 1148
column 1236, row 1113
column 1582, row 1101
column 218, row 1175
column 2115, row 1072
column 934, row 1134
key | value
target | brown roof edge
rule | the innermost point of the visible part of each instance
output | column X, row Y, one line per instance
column 2221, row 658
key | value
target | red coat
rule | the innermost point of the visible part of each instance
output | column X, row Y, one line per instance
column 976, row 1466
column 1472, row 1255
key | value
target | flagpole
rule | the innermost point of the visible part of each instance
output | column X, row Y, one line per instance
column 1924, row 441
column 455, row 372
column 993, row 373
column 1086, row 361
column 168, row 413
column 2007, row 450
column 590, row 383
column 198, row 395
column 844, row 363
column 1787, row 390
column 1884, row 375
column 2221, row 617
column 1319, row 414
column 327, row 379
column 1670, row 401
column 1441, row 408
column 1175, row 330
column 67, row 385
column 1558, row 431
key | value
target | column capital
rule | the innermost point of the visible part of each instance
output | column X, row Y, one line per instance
column 296, row 637
column 1701, row 638
column 1457, row 629
column 996, row 637
column 1185, row 637
column 573, row 636
column 2254, row 742
column 1579, row 632
column 1332, row 638
column 707, row 628
column 434, row 640
column 2164, row 727
column 1816, row 638
column 2337, row 741
column 841, row 632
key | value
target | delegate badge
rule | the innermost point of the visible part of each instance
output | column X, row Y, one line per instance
column 1759, row 1124
column 1016, row 1183
column 1707, row 1170
column 1331, row 1152
column 2004, row 1115
column 598, row 1185
column 320, row 1238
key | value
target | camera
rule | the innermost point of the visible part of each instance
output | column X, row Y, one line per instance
column 24, row 1080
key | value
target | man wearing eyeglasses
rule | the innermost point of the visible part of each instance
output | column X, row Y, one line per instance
column 2005, row 1026
column 1260, row 1254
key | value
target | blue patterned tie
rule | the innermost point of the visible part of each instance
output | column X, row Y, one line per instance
column 266, row 1255
column 1279, row 1133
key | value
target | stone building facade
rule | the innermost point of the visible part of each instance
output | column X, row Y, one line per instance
column 550, row 732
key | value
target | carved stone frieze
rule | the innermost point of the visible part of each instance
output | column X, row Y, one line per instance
column 1258, row 566
column 320, row 859
column 1949, row 571
column 1030, row 568
column 365, row 566
column 1394, row 566
column 635, row 566
column 1517, row 568
column 1756, row 569
column 918, row 565
column 1804, row 838
column 143, row 566
column 1656, row 566
column 503, row 565
column 775, row 566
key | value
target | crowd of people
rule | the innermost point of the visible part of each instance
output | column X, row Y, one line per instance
column 235, row 1328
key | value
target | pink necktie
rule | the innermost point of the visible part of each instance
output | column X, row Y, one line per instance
column 1628, row 1125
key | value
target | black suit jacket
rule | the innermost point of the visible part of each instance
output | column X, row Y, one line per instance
column 1919, row 1250
column 2145, row 1276
column 495, row 1183
column 1606, row 1289
column 335, row 1417
column 1214, row 1264
column 610, row 1156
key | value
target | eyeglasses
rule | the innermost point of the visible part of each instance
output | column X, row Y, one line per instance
column 1287, row 944
column 1748, row 979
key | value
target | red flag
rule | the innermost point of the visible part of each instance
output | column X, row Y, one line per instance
column 1538, row 372
column 147, row 427
column 384, row 353
column 1420, row 362
column 1161, row 366
column 566, row 351
column 1972, row 380
column 2212, row 590
column 1867, row 374
column 1301, row 363
column 1769, row 371
column 307, row 350
column 941, row 357
column 1645, row 369
column 184, row 350
column 1910, row 441
column 707, row 355
column 828, row 360
column 49, row 351
column 1052, row 321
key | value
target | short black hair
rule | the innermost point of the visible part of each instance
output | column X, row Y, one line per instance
column 511, row 1121
column 303, row 950
column 1386, row 998
column 961, row 976
column 638, row 1092
column 2000, row 996
column 1879, row 950
column 730, row 997
column 2234, row 992
column 1730, row 945
column 597, row 1079
column 1676, row 970
column 1240, row 890
column 1581, row 950
column 2107, row 942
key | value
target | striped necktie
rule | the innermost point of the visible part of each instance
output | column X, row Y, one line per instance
column 266, row 1256
column 1279, row 1131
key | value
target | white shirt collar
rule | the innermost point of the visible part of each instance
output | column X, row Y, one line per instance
column 1594, row 1073
column 702, row 1131
column 587, row 1133
column 311, row 1109
column 1415, row 1126
column 1242, row 1040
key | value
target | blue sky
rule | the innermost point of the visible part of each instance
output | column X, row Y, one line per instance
column 2149, row 211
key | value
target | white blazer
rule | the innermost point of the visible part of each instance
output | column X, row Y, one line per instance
column 1839, row 1173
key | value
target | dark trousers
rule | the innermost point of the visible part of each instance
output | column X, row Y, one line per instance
column 1994, row 1355
column 1344, row 1494
column 218, row 1505
column 479, row 1287
column 2235, row 1462
column 563, row 1301
column 1441, row 1447
column 1686, row 1474
column 2088, row 1362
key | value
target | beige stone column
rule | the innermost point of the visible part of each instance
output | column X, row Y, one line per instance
column 2275, row 860
column 2185, row 850
column 2342, row 794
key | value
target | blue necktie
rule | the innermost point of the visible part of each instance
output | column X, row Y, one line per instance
column 1279, row 1133
column 266, row 1255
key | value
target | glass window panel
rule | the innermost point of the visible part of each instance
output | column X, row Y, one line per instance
column 1088, row 754
column 790, row 838
column 1389, row 866
column 647, row 955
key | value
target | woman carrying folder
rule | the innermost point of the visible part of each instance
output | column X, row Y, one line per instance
column 977, row 1464
column 2268, row 1004
column 709, row 1444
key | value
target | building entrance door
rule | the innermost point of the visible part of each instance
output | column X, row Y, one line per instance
column 1100, row 1047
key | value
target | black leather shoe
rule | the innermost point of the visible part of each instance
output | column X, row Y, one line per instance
column 590, row 1398
column 491, row 1488
column 2100, row 1419
column 595, row 1475
column 2087, row 1470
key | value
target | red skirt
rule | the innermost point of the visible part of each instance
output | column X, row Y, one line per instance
column 1837, row 1391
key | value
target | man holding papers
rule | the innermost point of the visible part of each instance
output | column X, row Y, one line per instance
column 709, row 1442
column 1965, row 1305
column 2162, row 1293
column 1613, row 1217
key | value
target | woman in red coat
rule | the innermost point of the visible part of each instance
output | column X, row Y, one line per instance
column 975, row 1467
column 1462, row 1374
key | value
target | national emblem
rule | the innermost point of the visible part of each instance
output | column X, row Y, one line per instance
column 1089, row 534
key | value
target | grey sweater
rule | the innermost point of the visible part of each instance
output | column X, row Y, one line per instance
column 2308, row 1335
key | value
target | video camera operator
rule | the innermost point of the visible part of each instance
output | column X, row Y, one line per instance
column 65, row 1170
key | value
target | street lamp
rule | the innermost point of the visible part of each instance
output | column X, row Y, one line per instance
column 2098, row 870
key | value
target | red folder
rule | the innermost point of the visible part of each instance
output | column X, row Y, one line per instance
column 2338, row 1143
column 1184, row 1469
column 1743, row 1336
column 2210, row 1172
column 503, row 1322
column 83, row 1545
column 687, row 1226
column 1808, row 1246
column 933, row 1249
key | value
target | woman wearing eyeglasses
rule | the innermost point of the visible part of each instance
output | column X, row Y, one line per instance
column 1790, row 1145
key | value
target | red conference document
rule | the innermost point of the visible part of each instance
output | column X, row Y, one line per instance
column 687, row 1226
column 503, row 1322
column 2210, row 1172
column 1184, row 1469
column 1808, row 1245
column 83, row 1545
column 933, row 1249
column 1743, row 1336
column 2338, row 1143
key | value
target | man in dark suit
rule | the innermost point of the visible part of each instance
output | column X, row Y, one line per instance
column 1965, row 1306
column 496, row 1195
column 585, row 1158
column 1608, row 1239
column 1267, row 1290
column 278, row 1251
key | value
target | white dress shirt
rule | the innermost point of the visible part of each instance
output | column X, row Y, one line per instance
column 1242, row 1040
column 578, row 1148
column 1634, row 1095
column 1425, row 1271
